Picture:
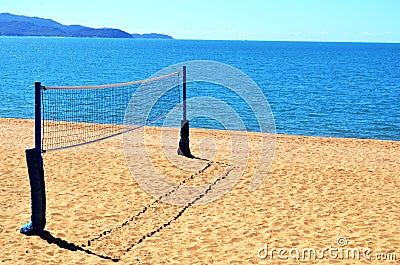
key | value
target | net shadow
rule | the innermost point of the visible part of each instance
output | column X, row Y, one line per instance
column 61, row 243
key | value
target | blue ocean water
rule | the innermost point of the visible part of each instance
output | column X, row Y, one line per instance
column 318, row 89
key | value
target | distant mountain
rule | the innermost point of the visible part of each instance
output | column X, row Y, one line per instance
column 14, row 25
column 151, row 36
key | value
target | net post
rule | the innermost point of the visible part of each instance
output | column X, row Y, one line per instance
column 38, row 122
column 34, row 162
column 184, row 92
column 184, row 148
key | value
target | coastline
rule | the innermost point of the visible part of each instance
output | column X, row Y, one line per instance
column 317, row 190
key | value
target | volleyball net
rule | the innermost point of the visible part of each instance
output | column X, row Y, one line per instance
column 79, row 115
column 71, row 116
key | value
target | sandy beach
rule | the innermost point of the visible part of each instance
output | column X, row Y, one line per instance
column 320, row 193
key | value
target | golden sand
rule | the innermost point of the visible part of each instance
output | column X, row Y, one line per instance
column 317, row 191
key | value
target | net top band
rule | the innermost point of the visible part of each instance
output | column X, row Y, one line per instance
column 109, row 85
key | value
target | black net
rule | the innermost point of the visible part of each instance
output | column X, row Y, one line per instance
column 77, row 115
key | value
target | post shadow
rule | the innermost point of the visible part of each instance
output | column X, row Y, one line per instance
column 61, row 243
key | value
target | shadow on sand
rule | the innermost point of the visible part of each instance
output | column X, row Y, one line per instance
column 46, row 235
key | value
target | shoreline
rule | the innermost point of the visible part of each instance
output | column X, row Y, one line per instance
column 277, row 135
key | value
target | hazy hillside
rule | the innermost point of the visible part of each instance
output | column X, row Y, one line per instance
column 14, row 25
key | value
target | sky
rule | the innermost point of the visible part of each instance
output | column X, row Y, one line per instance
column 271, row 20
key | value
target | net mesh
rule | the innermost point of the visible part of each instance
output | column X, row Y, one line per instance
column 78, row 115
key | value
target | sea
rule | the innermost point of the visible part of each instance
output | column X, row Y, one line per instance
column 345, row 90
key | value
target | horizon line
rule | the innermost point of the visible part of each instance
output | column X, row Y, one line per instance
column 205, row 39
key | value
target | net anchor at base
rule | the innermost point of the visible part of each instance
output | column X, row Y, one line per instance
column 184, row 147
column 38, row 194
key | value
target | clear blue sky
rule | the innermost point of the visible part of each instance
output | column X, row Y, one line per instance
column 304, row 20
